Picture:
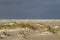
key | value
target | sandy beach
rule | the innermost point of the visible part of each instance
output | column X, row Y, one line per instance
column 29, row 34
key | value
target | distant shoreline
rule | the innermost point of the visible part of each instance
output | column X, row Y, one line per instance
column 29, row 19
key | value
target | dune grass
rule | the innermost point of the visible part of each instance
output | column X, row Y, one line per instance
column 28, row 25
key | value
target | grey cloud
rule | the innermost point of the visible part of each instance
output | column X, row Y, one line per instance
column 29, row 9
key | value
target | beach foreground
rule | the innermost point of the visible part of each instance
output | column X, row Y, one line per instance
column 32, row 35
column 29, row 29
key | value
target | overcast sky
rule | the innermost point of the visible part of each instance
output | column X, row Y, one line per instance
column 30, row 9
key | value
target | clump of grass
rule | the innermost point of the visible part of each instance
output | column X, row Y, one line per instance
column 55, row 30
column 22, row 35
column 28, row 25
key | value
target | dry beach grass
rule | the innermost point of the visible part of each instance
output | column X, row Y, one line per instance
column 29, row 29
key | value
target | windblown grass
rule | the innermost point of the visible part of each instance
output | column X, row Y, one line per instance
column 30, row 25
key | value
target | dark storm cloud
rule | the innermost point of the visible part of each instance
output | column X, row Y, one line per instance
column 29, row 9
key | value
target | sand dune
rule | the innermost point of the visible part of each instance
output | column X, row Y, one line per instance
column 32, row 35
column 26, row 33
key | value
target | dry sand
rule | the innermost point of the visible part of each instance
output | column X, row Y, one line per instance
column 14, row 34
column 32, row 35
